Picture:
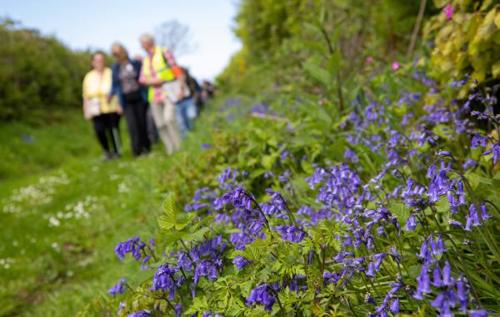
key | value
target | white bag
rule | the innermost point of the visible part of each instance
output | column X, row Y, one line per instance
column 173, row 89
column 92, row 108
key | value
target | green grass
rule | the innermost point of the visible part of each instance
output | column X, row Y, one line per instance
column 63, row 210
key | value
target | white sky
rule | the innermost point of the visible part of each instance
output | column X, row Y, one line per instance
column 98, row 23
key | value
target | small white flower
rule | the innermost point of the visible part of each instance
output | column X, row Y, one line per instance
column 54, row 222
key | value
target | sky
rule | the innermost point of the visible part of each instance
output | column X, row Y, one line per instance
column 96, row 24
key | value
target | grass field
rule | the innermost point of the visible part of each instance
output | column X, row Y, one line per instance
column 63, row 210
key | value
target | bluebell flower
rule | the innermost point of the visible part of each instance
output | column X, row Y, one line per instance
column 284, row 154
column 394, row 308
column 436, row 277
column 285, row 177
column 443, row 303
column 484, row 212
column 374, row 265
column 178, row 309
column 298, row 283
column 413, row 194
column 495, row 150
column 447, row 278
column 478, row 313
column 276, row 206
column 291, row 233
column 264, row 295
column 240, row 262
column 119, row 288
column 135, row 246
column 166, row 280
column 423, row 283
column 240, row 240
column 331, row 278
column 462, row 294
column 478, row 141
column 369, row 299
column 472, row 219
column 351, row 156
column 142, row 313
column 206, row 268
column 437, row 246
column 411, row 222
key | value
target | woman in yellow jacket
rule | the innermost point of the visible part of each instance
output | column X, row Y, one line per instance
column 104, row 113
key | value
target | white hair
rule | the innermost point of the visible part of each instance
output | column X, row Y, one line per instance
column 146, row 37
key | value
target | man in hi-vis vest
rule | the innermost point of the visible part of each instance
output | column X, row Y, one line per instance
column 164, row 78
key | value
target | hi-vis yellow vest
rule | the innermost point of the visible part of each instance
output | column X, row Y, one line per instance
column 161, row 68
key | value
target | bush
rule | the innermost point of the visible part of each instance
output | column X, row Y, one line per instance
column 38, row 74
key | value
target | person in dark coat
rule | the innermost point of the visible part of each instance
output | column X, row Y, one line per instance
column 125, row 84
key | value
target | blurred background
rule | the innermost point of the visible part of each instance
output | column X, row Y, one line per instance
column 270, row 66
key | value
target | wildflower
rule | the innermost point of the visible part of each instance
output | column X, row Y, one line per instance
column 142, row 313
column 394, row 308
column 291, row 233
column 413, row 194
column 423, row 283
column 495, row 149
column 240, row 240
column 351, row 156
column 478, row 313
column 240, row 262
column 135, row 246
column 206, row 268
column 119, row 288
column 178, row 309
column 469, row 163
column 462, row 293
column 369, row 299
column 484, row 212
column 395, row 66
column 285, row 177
column 448, row 11
column 472, row 219
column 374, row 266
column 437, row 246
column 297, row 283
column 436, row 277
column 264, row 295
column 478, row 141
column 411, row 223
column 165, row 280
column 284, row 154
column 447, row 279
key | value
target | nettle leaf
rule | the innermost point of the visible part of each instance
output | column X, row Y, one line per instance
column 400, row 210
column 171, row 218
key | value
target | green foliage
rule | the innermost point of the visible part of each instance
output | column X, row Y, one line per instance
column 38, row 74
column 468, row 43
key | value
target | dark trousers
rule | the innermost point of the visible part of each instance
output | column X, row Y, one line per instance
column 107, row 132
column 135, row 110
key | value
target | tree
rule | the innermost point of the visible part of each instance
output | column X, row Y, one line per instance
column 175, row 36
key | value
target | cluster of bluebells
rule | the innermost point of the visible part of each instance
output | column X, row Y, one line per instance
column 135, row 246
column 167, row 279
column 436, row 281
column 204, row 259
column 360, row 202
column 265, row 294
